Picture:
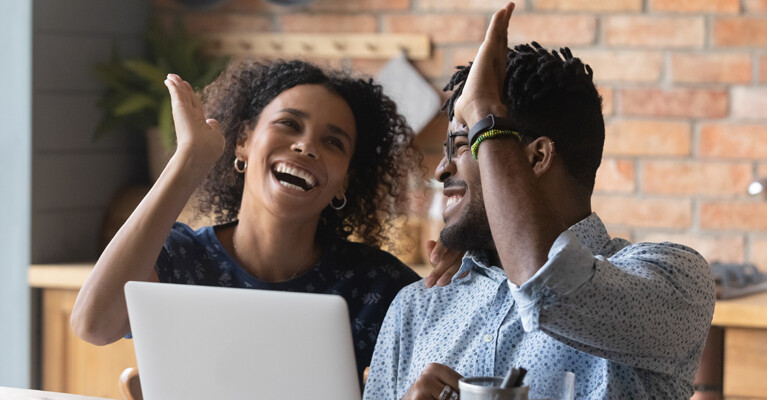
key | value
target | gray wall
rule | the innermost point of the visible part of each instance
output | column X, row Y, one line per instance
column 15, row 134
column 56, row 181
column 74, row 177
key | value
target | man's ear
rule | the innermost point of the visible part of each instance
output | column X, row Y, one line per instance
column 540, row 153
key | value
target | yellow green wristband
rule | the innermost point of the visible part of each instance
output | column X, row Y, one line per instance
column 493, row 133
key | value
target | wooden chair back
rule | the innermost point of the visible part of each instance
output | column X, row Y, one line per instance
column 130, row 385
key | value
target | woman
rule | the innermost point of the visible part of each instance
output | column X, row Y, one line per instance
column 297, row 160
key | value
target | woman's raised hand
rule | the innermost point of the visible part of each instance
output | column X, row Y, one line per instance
column 201, row 138
column 481, row 92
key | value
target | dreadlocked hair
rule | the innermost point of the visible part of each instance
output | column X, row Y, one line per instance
column 551, row 94
column 384, row 152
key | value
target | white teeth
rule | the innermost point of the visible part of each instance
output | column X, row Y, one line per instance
column 291, row 186
column 452, row 200
column 300, row 173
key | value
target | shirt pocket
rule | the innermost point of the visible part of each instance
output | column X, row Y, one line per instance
column 589, row 370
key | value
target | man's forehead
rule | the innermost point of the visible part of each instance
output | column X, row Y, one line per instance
column 455, row 126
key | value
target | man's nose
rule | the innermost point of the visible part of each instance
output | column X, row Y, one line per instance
column 444, row 169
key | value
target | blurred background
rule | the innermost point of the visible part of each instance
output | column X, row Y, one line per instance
column 684, row 84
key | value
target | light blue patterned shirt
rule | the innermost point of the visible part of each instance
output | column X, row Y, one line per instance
column 629, row 320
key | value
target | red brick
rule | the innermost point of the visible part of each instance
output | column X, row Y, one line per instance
column 461, row 56
column 748, row 216
column 631, row 211
column 210, row 23
column 763, row 69
column 360, row 5
column 740, row 32
column 442, row 28
column 623, row 66
column 695, row 178
column 468, row 5
column 608, row 106
column 758, row 253
column 711, row 67
column 658, row 32
column 755, row 6
column 589, row 5
column 733, row 140
column 548, row 30
column 702, row 103
column 724, row 248
column 431, row 68
column 615, row 176
column 639, row 137
column 749, row 102
column 696, row 6
column 328, row 23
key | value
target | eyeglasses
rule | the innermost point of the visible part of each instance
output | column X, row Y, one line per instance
column 450, row 144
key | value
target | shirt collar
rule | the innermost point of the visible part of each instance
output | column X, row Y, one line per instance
column 477, row 261
column 591, row 232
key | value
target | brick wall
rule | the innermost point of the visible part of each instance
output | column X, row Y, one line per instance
column 684, row 85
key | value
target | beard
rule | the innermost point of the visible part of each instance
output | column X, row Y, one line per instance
column 471, row 231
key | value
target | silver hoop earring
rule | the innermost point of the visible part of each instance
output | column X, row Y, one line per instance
column 237, row 165
column 335, row 207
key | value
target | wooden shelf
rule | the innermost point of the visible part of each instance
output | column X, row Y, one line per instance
column 350, row 45
column 744, row 312
column 58, row 276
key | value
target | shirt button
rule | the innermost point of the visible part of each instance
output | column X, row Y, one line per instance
column 488, row 338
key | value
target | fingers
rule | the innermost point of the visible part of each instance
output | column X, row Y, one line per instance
column 434, row 257
column 432, row 381
column 446, row 263
column 499, row 24
column 213, row 124
column 184, row 93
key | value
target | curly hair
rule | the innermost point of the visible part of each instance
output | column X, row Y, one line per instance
column 552, row 95
column 383, row 156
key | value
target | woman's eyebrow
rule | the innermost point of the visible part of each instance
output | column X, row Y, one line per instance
column 296, row 112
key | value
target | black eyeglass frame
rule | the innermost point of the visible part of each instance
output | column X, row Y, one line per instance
column 450, row 144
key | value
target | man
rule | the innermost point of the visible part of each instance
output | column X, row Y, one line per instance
column 542, row 285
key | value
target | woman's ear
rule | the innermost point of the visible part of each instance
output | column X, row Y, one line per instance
column 540, row 153
column 240, row 150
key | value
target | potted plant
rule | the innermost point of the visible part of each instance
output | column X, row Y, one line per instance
column 136, row 97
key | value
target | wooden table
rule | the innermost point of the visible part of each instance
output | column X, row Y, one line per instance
column 744, row 321
column 68, row 364
column 7, row 393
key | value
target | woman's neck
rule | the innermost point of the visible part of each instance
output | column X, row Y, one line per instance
column 274, row 249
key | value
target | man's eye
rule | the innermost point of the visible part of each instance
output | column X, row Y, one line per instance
column 460, row 143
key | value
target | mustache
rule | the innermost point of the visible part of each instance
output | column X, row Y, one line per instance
column 449, row 182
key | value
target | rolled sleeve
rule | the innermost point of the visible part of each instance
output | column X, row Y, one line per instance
column 569, row 266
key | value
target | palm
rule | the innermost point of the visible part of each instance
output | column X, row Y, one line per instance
column 193, row 132
column 481, row 92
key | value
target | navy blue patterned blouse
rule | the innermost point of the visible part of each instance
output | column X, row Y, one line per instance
column 366, row 277
column 629, row 320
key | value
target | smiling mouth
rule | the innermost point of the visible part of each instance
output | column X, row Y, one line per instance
column 452, row 200
column 294, row 178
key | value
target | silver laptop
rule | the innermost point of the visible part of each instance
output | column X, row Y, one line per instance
column 199, row 342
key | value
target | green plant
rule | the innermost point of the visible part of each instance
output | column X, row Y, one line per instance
column 136, row 97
